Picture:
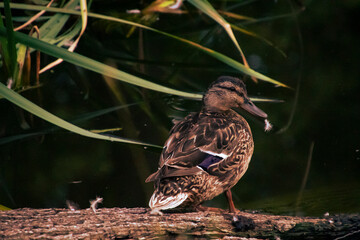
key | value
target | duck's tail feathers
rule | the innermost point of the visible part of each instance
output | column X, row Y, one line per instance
column 153, row 177
column 160, row 202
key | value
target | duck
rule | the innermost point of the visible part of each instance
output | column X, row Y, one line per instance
column 207, row 152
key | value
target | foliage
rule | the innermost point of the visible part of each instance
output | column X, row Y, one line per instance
column 134, row 68
column 49, row 33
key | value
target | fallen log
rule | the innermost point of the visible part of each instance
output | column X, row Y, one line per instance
column 125, row 223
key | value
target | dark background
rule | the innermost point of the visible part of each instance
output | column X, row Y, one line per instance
column 321, row 44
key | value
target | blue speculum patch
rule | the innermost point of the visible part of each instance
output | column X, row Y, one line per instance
column 209, row 160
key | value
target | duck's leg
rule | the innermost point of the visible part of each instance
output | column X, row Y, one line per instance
column 228, row 195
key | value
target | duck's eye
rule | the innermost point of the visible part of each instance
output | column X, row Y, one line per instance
column 232, row 89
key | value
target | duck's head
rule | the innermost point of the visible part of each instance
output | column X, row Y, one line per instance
column 230, row 92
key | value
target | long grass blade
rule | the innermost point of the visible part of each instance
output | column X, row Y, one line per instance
column 263, row 99
column 95, row 66
column 4, row 208
column 72, row 47
column 229, row 61
column 10, row 47
column 234, row 15
column 208, row 9
column 50, row 29
column 27, row 105
column 18, row 71
column 78, row 119
column 67, row 36
column 4, row 48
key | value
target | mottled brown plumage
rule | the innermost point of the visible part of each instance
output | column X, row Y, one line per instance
column 208, row 152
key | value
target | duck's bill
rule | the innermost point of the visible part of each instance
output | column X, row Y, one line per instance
column 253, row 110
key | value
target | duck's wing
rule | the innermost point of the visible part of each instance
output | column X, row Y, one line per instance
column 199, row 144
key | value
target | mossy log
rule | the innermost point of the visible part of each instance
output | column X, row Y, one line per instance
column 135, row 223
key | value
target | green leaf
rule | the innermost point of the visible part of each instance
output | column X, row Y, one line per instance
column 27, row 105
column 3, row 208
column 229, row 61
column 78, row 28
column 21, row 52
column 208, row 9
column 10, row 43
column 95, row 66
column 78, row 119
column 262, row 99
column 4, row 48
column 50, row 29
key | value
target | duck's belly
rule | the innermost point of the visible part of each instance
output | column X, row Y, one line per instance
column 203, row 187
column 207, row 188
column 213, row 186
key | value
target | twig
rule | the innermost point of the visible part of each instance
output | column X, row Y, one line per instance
column 307, row 170
column 33, row 18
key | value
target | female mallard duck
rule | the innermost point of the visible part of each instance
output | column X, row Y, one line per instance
column 207, row 152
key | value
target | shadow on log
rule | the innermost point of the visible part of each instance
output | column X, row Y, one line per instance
column 123, row 223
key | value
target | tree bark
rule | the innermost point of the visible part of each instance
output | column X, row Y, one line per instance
column 115, row 223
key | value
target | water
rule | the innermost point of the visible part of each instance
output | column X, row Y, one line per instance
column 54, row 166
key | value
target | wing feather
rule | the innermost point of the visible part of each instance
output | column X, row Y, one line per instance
column 196, row 137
